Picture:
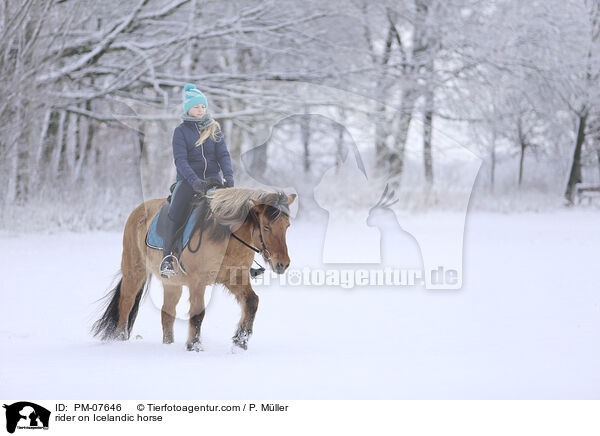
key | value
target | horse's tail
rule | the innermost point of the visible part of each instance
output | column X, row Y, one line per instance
column 106, row 326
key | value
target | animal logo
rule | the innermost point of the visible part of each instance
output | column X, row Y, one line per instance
column 325, row 159
column 24, row 414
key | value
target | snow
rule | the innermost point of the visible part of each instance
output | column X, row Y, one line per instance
column 526, row 324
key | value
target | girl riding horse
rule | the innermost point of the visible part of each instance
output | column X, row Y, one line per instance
column 238, row 223
column 199, row 152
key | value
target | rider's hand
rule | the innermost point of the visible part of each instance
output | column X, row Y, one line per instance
column 199, row 185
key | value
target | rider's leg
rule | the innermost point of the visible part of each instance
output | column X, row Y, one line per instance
column 178, row 211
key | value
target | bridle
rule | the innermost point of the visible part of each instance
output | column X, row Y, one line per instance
column 266, row 253
column 261, row 269
column 264, row 250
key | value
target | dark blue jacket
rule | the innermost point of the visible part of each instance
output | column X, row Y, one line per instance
column 203, row 161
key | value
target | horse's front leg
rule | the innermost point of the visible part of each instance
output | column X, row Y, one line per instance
column 197, row 310
column 248, row 300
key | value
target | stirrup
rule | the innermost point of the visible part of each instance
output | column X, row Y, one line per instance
column 167, row 273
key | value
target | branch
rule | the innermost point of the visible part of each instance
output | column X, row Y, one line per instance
column 98, row 51
column 155, row 117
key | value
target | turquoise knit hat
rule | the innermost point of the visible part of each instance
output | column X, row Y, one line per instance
column 191, row 97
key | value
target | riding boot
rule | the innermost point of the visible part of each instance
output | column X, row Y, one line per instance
column 167, row 267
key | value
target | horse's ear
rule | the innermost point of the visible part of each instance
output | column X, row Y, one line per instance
column 255, row 208
column 254, row 204
column 291, row 198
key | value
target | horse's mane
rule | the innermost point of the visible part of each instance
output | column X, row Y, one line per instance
column 232, row 206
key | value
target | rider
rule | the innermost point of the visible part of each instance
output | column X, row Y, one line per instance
column 199, row 151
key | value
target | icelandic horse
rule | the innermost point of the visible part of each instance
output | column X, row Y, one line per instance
column 235, row 221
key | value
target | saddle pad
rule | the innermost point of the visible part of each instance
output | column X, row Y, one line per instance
column 155, row 240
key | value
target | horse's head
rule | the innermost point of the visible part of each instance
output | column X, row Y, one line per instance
column 266, row 213
column 271, row 218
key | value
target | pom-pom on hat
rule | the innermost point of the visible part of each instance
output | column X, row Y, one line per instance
column 191, row 97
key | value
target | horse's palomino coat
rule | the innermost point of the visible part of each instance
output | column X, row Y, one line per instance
column 222, row 259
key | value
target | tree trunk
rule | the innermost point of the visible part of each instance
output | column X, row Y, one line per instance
column 493, row 160
column 381, row 116
column 381, row 148
column 381, row 92
column 90, row 156
column 84, row 132
column 34, row 170
column 575, row 171
column 598, row 156
column 305, row 131
column 522, row 146
column 427, row 135
column 521, row 160
column 396, row 155
column 71, row 144
column 13, row 172
column 58, row 146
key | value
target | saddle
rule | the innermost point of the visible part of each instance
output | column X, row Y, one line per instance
column 154, row 237
column 196, row 215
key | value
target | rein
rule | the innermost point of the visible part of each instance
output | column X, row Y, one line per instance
column 256, row 250
column 201, row 229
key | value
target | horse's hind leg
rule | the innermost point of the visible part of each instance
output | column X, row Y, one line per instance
column 135, row 276
column 131, row 289
column 197, row 310
column 248, row 299
column 172, row 295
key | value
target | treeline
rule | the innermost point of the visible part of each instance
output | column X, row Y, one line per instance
column 84, row 84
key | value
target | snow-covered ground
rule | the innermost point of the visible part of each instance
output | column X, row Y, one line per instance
column 526, row 324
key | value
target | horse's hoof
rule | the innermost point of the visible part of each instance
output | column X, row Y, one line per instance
column 123, row 336
column 239, row 348
column 194, row 346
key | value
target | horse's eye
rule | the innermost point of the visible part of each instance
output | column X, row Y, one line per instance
column 267, row 228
